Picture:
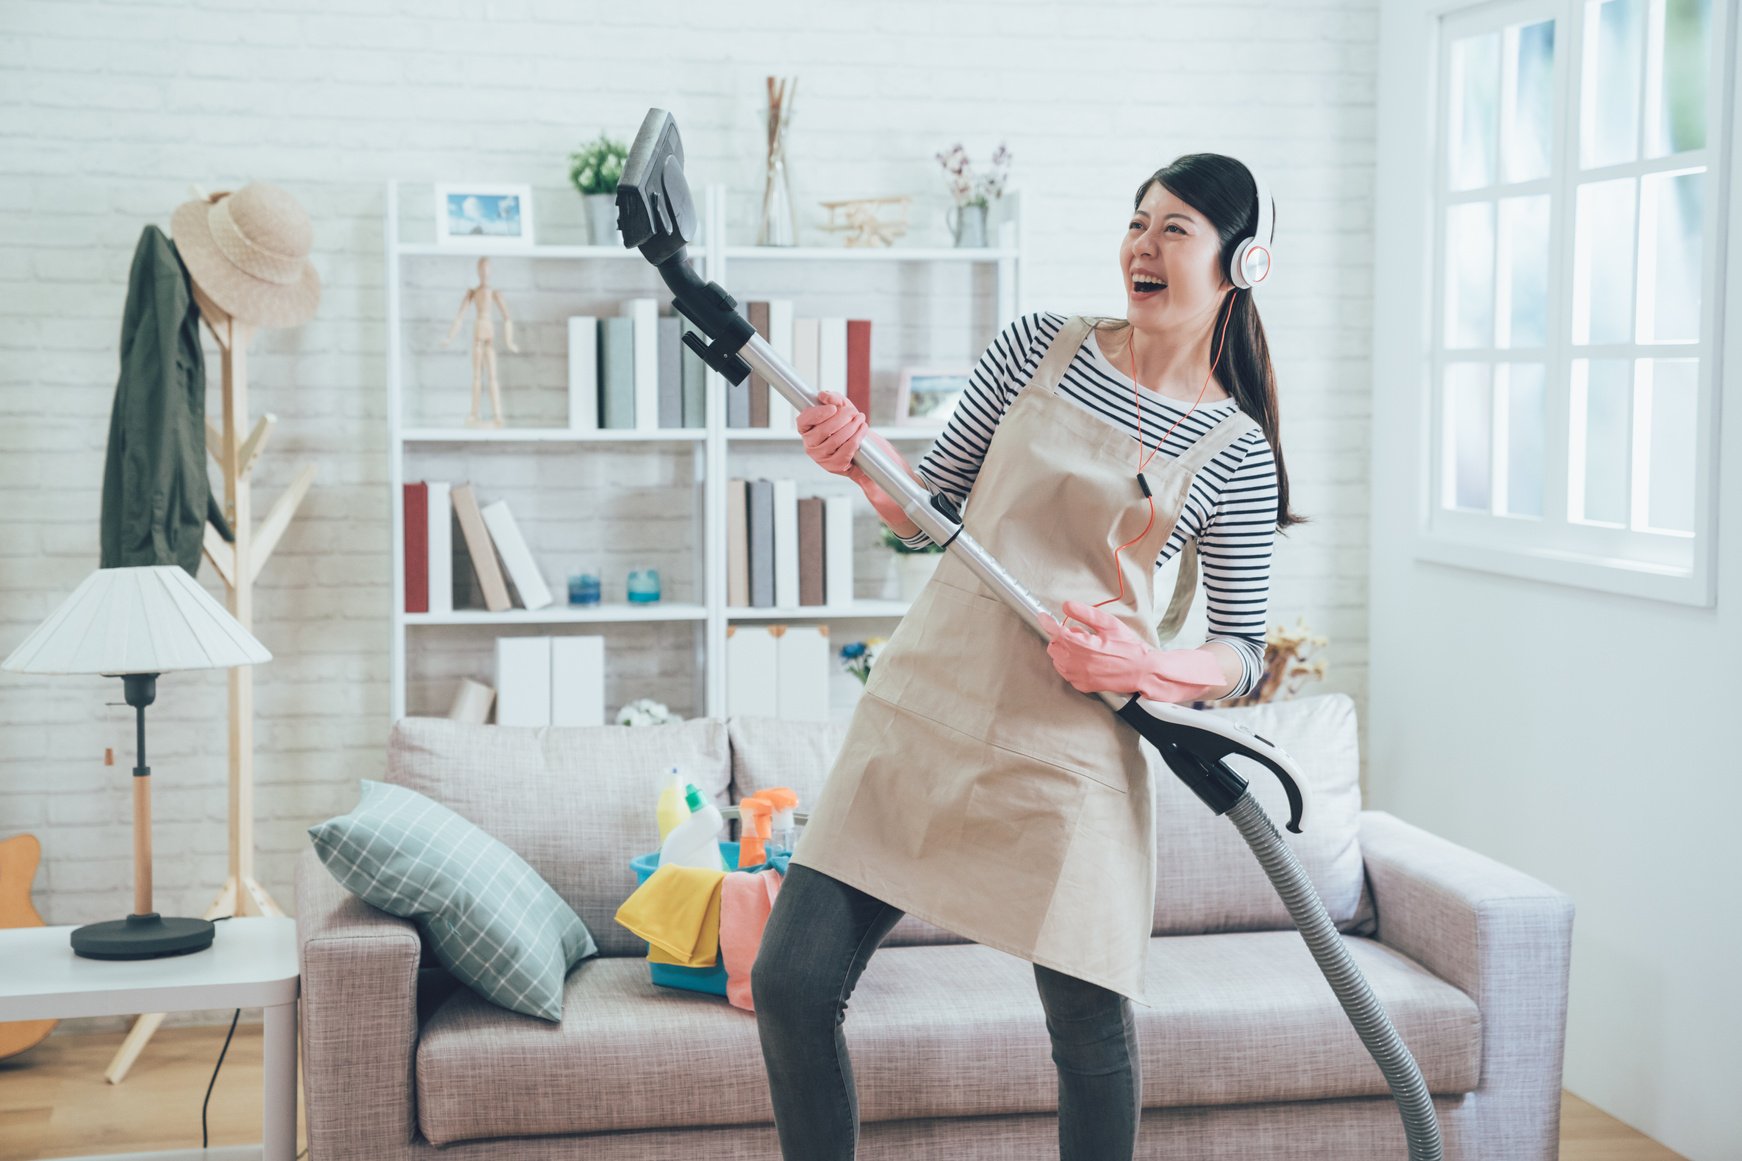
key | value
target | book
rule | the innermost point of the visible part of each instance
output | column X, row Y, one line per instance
column 516, row 558
column 758, row 315
column 671, row 352
column 804, row 351
column 859, row 364
column 577, row 681
column 738, row 543
column 838, row 550
column 583, row 372
column 752, row 672
column 645, row 315
column 802, row 673
column 523, row 681
column 781, row 414
column 695, row 382
column 786, row 543
column 481, row 551
column 468, row 590
column 832, row 357
column 415, row 519
column 616, row 373
column 441, row 548
column 810, row 550
column 762, row 544
column 472, row 702
column 738, row 394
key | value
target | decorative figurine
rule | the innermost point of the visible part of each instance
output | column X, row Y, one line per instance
column 862, row 222
column 480, row 299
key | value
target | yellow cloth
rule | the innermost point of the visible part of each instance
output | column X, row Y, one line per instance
column 677, row 911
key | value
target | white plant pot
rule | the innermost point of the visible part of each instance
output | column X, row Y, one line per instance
column 915, row 569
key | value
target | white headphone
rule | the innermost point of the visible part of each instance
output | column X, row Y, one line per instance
column 1250, row 264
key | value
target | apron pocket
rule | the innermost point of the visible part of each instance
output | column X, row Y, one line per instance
column 974, row 665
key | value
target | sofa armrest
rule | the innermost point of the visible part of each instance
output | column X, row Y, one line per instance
column 1500, row 936
column 359, row 1019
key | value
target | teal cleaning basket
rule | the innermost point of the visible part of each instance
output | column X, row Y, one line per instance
column 699, row 979
column 671, row 975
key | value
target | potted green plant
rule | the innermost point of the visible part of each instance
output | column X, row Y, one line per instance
column 913, row 566
column 595, row 169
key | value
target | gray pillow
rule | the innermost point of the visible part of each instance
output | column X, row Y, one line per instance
column 489, row 918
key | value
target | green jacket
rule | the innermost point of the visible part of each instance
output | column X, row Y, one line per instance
column 156, row 496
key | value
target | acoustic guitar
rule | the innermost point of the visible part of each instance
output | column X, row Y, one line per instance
column 19, row 856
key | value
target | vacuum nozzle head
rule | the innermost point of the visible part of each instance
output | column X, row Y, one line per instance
column 654, row 209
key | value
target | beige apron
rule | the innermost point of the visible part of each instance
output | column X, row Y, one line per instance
column 975, row 787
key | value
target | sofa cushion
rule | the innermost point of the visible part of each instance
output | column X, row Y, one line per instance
column 577, row 802
column 1206, row 877
column 768, row 752
column 489, row 918
column 938, row 1031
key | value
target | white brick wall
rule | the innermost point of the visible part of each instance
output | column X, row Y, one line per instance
column 111, row 110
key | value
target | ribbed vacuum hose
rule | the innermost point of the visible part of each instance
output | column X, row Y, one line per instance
column 1420, row 1124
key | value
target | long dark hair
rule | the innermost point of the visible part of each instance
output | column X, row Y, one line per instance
column 1221, row 188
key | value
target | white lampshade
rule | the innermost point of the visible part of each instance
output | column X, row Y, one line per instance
column 148, row 619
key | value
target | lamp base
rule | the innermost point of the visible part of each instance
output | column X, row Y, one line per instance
column 142, row 937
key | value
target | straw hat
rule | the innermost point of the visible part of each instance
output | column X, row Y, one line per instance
column 248, row 251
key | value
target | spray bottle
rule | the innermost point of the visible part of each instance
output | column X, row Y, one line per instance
column 754, row 814
column 785, row 801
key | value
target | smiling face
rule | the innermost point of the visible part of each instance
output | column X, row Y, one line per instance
column 1168, row 243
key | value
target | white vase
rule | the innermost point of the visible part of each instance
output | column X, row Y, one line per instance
column 602, row 219
column 914, row 569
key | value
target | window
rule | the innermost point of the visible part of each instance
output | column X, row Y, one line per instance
column 1571, row 363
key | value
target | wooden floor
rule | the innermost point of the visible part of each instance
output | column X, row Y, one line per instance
column 54, row 1101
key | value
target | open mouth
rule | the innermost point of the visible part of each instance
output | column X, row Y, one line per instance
column 1145, row 286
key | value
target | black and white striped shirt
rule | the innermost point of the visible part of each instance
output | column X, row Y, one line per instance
column 1230, row 509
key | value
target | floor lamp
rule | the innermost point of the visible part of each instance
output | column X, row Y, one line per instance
column 136, row 623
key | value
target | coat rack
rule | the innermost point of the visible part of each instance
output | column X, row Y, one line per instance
column 239, row 564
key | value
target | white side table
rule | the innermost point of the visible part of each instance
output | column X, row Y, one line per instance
column 251, row 964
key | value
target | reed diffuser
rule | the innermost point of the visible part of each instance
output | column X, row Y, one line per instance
column 777, row 227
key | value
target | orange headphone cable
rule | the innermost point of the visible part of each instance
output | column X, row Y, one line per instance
column 1143, row 460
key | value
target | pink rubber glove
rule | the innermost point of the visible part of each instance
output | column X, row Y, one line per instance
column 1109, row 656
column 832, row 428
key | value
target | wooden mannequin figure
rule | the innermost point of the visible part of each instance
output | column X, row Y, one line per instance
column 480, row 299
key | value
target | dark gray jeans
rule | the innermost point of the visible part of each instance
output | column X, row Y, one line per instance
column 820, row 934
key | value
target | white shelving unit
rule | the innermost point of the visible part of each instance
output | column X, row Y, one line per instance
column 712, row 446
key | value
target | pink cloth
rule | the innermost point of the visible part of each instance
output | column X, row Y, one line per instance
column 746, row 897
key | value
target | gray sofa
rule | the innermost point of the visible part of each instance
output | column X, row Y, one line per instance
column 1248, row 1055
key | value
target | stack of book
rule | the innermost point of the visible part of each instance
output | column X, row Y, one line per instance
column 486, row 565
column 828, row 354
column 633, row 372
column 785, row 551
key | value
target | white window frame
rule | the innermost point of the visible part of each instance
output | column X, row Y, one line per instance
column 1617, row 560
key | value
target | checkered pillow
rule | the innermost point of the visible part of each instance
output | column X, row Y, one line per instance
column 490, row 919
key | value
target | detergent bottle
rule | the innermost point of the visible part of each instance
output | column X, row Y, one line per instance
column 695, row 841
column 672, row 809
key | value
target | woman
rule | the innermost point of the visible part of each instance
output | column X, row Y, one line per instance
column 977, row 788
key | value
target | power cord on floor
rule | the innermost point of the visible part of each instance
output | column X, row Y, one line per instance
column 213, row 1083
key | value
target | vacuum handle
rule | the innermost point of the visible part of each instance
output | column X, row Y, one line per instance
column 1194, row 752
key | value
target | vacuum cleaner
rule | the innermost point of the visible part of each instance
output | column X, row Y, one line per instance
column 656, row 214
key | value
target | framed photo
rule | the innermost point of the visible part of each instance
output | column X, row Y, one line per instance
column 929, row 395
column 483, row 215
